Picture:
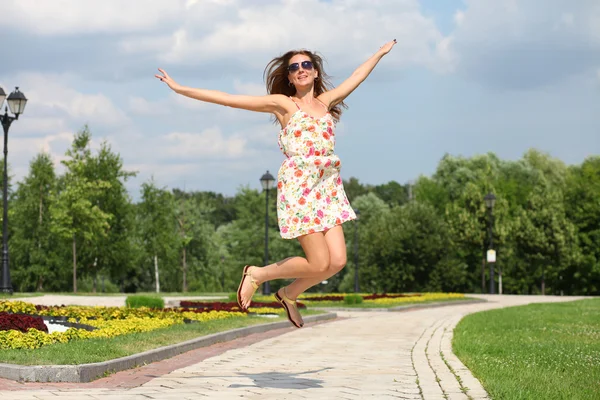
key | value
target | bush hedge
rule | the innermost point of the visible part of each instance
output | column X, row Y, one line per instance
column 137, row 301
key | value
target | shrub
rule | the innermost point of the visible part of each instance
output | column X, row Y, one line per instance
column 353, row 299
column 86, row 285
column 137, row 301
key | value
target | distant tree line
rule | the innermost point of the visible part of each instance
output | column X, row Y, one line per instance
column 81, row 231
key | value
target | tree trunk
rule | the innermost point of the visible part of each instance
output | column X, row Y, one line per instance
column 95, row 275
column 543, row 281
column 184, row 272
column 156, row 273
column 41, row 205
column 74, row 265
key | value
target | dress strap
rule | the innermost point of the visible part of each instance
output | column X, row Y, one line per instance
column 295, row 103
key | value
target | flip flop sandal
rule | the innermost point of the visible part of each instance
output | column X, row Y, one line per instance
column 289, row 306
column 245, row 274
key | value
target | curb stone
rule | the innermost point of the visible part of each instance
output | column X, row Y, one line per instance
column 408, row 307
column 90, row 372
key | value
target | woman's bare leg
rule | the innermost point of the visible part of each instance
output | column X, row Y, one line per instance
column 336, row 245
column 315, row 264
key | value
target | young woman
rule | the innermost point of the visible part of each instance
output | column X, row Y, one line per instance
column 311, row 202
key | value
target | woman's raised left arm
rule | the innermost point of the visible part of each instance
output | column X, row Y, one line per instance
column 338, row 94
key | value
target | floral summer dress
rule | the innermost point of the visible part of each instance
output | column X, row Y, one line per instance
column 310, row 194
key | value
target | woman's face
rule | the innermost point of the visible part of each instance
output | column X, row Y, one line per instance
column 301, row 71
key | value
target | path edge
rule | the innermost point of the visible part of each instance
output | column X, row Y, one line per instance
column 89, row 372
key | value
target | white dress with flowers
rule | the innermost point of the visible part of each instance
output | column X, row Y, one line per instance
column 310, row 194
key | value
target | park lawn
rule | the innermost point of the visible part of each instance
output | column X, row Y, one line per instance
column 103, row 349
column 6, row 296
column 539, row 351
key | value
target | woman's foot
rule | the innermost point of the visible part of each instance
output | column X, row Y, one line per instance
column 290, row 308
column 247, row 288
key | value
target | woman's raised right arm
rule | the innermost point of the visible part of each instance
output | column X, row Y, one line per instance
column 267, row 103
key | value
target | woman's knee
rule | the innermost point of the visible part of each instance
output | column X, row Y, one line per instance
column 320, row 265
column 337, row 263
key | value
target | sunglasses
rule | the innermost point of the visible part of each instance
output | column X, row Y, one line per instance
column 307, row 65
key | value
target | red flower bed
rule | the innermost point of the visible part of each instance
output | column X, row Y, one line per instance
column 388, row 296
column 325, row 298
column 217, row 306
column 21, row 322
column 368, row 297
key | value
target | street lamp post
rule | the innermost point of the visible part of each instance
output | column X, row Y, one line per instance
column 16, row 101
column 356, row 286
column 490, row 200
column 267, row 181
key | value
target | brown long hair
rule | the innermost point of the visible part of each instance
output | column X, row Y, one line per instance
column 276, row 78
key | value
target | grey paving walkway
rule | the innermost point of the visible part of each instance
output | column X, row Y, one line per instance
column 405, row 355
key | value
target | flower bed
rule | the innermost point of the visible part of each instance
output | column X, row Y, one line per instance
column 340, row 297
column 418, row 299
column 377, row 300
column 108, row 321
column 21, row 323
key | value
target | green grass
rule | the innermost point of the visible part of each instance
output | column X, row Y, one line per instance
column 6, row 296
column 366, row 304
column 97, row 350
column 539, row 351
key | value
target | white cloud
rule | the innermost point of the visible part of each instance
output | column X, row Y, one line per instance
column 21, row 150
column 459, row 17
column 66, row 17
column 525, row 44
column 51, row 95
column 209, row 143
column 143, row 107
column 32, row 124
column 249, row 88
column 254, row 32
column 54, row 112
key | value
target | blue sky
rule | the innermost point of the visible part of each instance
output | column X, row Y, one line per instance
column 467, row 77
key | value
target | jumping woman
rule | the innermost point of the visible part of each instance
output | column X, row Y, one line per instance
column 311, row 202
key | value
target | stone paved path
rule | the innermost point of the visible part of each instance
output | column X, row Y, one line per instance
column 378, row 355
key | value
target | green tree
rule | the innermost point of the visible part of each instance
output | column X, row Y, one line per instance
column 406, row 245
column 158, row 226
column 354, row 188
column 545, row 240
column 35, row 259
column 582, row 207
column 392, row 193
column 113, row 252
column 200, row 257
column 359, row 243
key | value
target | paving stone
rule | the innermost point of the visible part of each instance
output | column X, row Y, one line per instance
column 361, row 355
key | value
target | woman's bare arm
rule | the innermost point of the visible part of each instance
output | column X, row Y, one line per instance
column 267, row 103
column 338, row 94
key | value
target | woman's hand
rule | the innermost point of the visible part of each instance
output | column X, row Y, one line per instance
column 164, row 77
column 387, row 47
